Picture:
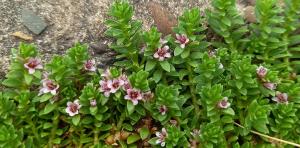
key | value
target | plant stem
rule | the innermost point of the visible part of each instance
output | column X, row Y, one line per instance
column 36, row 135
column 53, row 132
column 269, row 137
column 122, row 118
column 192, row 91
column 96, row 138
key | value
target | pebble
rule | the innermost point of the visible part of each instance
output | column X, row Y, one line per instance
column 33, row 22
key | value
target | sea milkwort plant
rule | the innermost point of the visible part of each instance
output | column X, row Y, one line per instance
column 217, row 81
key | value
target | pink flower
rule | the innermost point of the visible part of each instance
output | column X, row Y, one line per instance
column 126, row 83
column 114, row 85
column 93, row 102
column 182, row 40
column 281, row 98
column 33, row 64
column 104, row 87
column 162, row 53
column 73, row 108
column 134, row 96
column 49, row 86
column 161, row 137
column 224, row 103
column 89, row 65
column 270, row 85
column 106, row 74
column 163, row 109
column 261, row 71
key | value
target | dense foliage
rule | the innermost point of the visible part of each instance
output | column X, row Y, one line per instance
column 239, row 89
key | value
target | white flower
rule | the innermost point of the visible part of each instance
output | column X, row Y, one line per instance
column 89, row 65
column 162, row 53
column 161, row 137
column 224, row 103
column 281, row 98
column 73, row 108
column 48, row 86
column 182, row 40
column 134, row 96
column 33, row 64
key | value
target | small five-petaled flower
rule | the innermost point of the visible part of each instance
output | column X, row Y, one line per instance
column 182, row 40
column 73, row 108
column 89, row 65
column 161, row 137
column 261, row 72
column 281, row 98
column 105, row 88
column 49, row 86
column 224, row 103
column 33, row 64
column 134, row 96
column 163, row 109
column 162, row 53
column 269, row 85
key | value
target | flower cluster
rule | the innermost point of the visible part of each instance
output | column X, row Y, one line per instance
column 261, row 73
column 161, row 137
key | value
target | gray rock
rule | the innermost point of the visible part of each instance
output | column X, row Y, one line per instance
column 33, row 22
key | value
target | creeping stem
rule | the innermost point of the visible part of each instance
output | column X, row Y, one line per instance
column 122, row 118
column 53, row 132
column 269, row 137
column 192, row 91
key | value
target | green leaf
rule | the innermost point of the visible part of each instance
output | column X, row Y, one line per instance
column 150, row 65
column 165, row 65
column 37, row 74
column 153, row 141
column 133, row 138
column 105, row 127
column 229, row 111
column 76, row 119
column 157, row 75
column 178, row 51
column 185, row 53
column 42, row 98
column 49, row 108
column 226, row 21
column 130, row 107
column 93, row 110
column 12, row 83
column 28, row 78
column 144, row 133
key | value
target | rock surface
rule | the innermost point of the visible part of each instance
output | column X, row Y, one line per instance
column 33, row 22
